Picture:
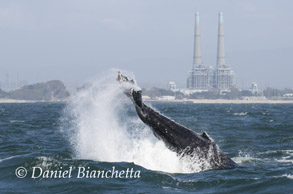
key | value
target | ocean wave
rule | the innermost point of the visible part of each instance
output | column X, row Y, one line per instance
column 289, row 176
column 286, row 159
column 240, row 113
column 16, row 121
column 278, row 152
column 8, row 158
column 280, row 156
column 12, row 157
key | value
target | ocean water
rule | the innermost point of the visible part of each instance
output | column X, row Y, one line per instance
column 98, row 130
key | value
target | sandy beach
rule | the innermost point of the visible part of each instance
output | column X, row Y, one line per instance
column 6, row 100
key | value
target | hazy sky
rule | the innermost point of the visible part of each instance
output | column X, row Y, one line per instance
column 73, row 40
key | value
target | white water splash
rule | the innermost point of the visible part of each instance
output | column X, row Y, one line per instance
column 244, row 157
column 103, row 130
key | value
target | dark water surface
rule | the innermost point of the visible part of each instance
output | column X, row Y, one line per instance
column 257, row 136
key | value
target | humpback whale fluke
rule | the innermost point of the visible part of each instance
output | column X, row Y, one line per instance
column 185, row 142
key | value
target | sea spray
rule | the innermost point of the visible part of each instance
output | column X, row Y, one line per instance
column 104, row 127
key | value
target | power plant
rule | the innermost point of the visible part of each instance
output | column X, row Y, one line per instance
column 203, row 78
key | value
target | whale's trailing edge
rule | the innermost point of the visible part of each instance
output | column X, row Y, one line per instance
column 178, row 138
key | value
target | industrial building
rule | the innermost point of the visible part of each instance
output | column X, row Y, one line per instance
column 204, row 78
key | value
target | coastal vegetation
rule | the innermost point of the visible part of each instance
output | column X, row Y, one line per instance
column 48, row 91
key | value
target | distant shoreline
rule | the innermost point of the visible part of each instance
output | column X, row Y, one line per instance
column 7, row 100
column 224, row 101
column 195, row 101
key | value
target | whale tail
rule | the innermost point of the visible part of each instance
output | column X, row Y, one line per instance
column 122, row 78
column 134, row 94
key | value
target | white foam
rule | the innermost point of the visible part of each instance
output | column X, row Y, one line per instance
column 285, row 159
column 244, row 157
column 103, row 131
column 289, row 176
column 240, row 114
column 16, row 121
column 287, row 155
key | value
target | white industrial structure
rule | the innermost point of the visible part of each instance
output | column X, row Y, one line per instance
column 172, row 86
column 203, row 78
column 254, row 88
column 199, row 78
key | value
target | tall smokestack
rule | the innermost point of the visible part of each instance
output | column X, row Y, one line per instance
column 196, row 54
column 221, row 51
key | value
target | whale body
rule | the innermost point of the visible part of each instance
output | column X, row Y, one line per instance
column 183, row 141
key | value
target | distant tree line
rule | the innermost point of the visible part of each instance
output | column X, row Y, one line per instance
column 234, row 93
column 51, row 90
column 271, row 92
column 155, row 92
